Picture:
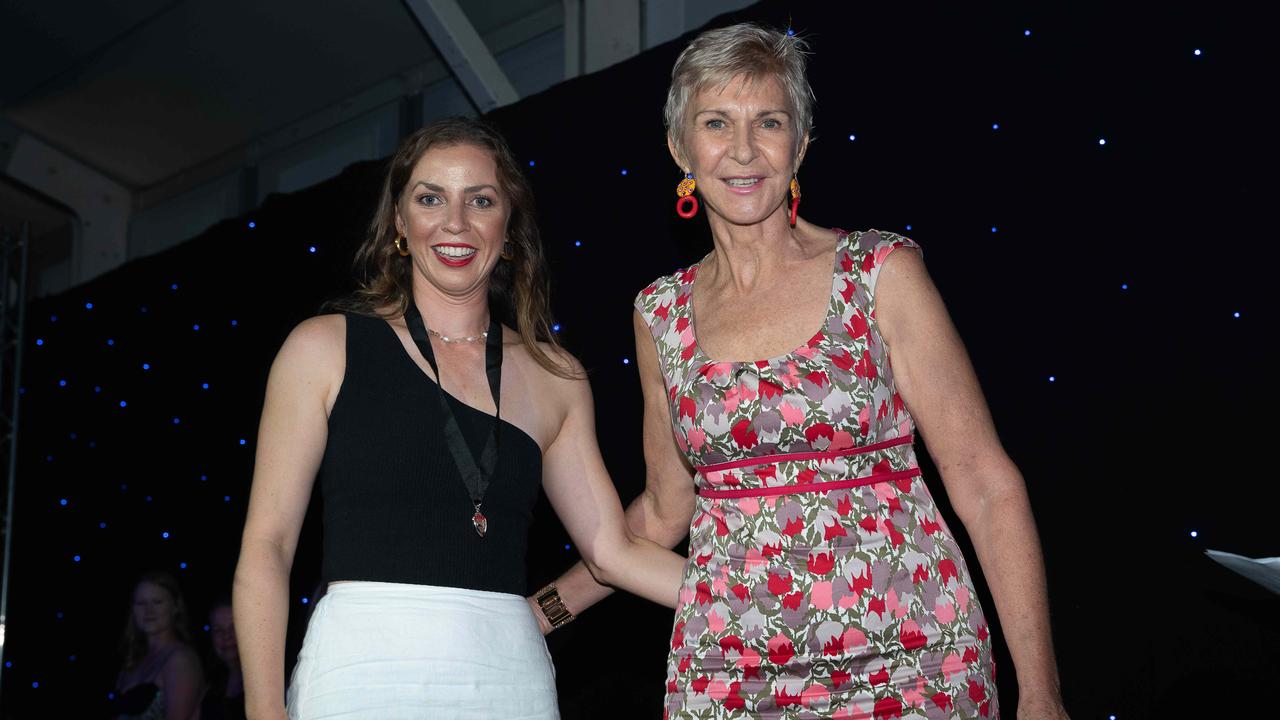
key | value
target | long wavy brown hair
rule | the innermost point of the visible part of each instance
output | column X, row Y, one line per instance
column 519, row 292
column 133, row 642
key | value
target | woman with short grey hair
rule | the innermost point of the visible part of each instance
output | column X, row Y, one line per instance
column 784, row 377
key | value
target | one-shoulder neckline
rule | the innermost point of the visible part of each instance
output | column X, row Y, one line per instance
column 404, row 355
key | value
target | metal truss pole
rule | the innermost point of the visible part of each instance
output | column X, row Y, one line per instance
column 13, row 306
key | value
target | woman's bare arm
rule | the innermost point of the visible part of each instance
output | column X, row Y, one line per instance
column 291, row 440
column 662, row 512
column 938, row 384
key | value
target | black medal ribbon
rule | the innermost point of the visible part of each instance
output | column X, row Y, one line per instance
column 475, row 473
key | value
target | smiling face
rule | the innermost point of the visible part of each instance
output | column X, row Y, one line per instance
column 743, row 148
column 153, row 609
column 454, row 216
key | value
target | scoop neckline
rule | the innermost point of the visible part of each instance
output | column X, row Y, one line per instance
column 814, row 340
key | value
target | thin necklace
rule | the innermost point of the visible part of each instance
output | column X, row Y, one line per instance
column 468, row 339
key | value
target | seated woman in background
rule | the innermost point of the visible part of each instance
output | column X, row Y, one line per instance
column 161, row 677
column 224, row 700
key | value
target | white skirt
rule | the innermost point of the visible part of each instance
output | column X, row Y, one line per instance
column 391, row 651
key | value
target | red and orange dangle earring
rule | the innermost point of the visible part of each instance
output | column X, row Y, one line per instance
column 687, row 205
column 795, row 199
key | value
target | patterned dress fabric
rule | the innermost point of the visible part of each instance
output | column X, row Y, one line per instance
column 822, row 582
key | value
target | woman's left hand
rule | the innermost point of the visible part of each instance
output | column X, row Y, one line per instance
column 1041, row 708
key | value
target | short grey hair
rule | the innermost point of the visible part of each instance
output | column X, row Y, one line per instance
column 716, row 57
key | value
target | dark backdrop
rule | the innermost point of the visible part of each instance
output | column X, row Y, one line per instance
column 1097, row 286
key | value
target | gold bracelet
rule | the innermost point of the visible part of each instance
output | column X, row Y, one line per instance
column 553, row 607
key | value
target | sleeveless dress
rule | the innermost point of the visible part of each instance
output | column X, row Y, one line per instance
column 822, row 582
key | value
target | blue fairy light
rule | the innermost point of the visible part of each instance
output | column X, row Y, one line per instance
column 111, row 342
column 555, row 328
column 312, row 249
column 566, row 546
column 124, row 403
column 852, row 137
column 146, row 366
column 171, row 287
column 1235, row 314
column 204, row 386
column 577, row 243
column 531, row 163
column 196, row 327
column 53, row 318
column 97, row 388
column 243, row 441
column 76, row 558
column 234, row 323
column 1195, row 534
column 1124, row 286
column 1052, row 378
column 63, row 502
column 306, row 600
column 908, row 228
column 252, row 224
column 102, row 526
column 624, row 171
column 1197, row 52
column 39, row 341
column 993, row 228
column 1102, row 141
column 1027, row 33
column 995, row 126
column 177, row 421
column 62, row 383
column 88, row 306
column 626, row 361
column 182, row 566
column 226, row 498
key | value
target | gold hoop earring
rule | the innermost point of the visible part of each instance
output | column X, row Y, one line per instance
column 401, row 247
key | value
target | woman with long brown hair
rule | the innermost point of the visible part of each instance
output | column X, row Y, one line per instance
column 432, row 406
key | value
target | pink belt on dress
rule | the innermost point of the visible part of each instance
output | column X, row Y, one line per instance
column 825, row 486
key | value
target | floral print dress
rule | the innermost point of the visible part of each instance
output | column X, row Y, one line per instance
column 822, row 582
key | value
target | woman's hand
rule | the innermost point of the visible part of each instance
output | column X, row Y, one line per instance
column 1041, row 708
column 540, row 616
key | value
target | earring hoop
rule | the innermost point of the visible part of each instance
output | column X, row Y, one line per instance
column 508, row 250
column 687, row 204
column 401, row 247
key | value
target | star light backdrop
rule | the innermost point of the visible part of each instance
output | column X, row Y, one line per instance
column 1089, row 185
